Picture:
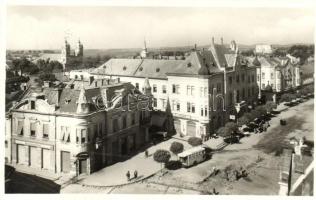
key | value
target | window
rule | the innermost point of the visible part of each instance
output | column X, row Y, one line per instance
column 137, row 85
column 263, row 85
column 188, row 90
column 164, row 89
column 237, row 78
column 219, row 88
column 20, row 128
column 243, row 93
column 155, row 102
column 230, row 98
column 263, row 75
column 178, row 89
column 115, row 125
column 178, row 106
column 192, row 90
column 248, row 78
column 202, row 111
column 271, row 75
column 253, row 78
column 258, row 77
column 6, row 144
column 230, row 79
column 32, row 105
column 253, row 90
column 237, row 96
column 133, row 118
column 45, row 131
column 154, row 88
column 83, row 136
column 124, row 122
column 201, row 92
column 188, row 107
column 249, row 92
column 65, row 134
column 205, row 111
column 78, row 135
column 100, row 128
column 33, row 129
column 173, row 88
column 164, row 103
column 243, row 77
column 205, row 91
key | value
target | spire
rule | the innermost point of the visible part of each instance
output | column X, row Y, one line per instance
column 82, row 102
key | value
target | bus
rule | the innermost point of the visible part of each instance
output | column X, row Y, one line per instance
column 192, row 156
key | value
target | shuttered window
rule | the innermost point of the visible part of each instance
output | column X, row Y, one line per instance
column 20, row 128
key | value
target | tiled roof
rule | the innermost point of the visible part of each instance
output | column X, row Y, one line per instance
column 122, row 67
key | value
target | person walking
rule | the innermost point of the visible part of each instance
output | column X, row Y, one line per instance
column 128, row 175
column 135, row 174
column 146, row 153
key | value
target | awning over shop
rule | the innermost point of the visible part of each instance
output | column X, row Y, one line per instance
column 82, row 155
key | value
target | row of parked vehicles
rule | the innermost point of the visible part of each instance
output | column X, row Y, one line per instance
column 299, row 100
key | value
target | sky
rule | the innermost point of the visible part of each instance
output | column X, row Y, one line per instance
column 103, row 27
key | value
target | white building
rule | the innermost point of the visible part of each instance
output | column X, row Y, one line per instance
column 202, row 89
column 76, row 129
column 263, row 49
column 276, row 74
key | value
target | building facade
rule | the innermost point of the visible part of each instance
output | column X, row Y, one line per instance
column 77, row 129
column 276, row 74
column 202, row 91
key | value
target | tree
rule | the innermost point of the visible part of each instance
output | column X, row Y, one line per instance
column 286, row 97
column 261, row 110
column 162, row 156
column 270, row 105
column 176, row 147
column 243, row 120
column 254, row 114
column 195, row 141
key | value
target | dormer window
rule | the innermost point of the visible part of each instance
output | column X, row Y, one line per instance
column 124, row 68
column 67, row 101
column 140, row 69
column 104, row 67
column 157, row 70
column 189, row 64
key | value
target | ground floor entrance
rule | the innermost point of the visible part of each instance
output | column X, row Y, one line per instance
column 65, row 161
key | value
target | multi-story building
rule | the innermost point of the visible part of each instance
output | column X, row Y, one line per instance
column 69, row 57
column 203, row 90
column 79, row 128
column 276, row 74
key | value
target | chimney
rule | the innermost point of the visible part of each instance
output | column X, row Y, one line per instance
column 222, row 41
column 57, row 92
column 213, row 41
column 194, row 47
column 91, row 79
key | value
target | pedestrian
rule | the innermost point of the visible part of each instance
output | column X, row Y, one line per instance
column 146, row 153
column 135, row 174
column 128, row 175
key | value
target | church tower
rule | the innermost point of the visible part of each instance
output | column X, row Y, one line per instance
column 144, row 52
column 79, row 49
